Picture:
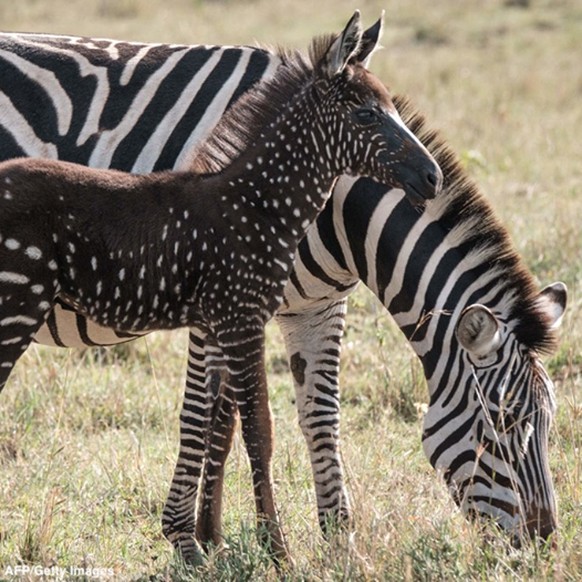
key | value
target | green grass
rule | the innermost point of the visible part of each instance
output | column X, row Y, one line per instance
column 87, row 450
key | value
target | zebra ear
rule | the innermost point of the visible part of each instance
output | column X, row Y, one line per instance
column 553, row 300
column 478, row 330
column 370, row 43
column 343, row 48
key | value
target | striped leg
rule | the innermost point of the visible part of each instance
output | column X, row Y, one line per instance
column 24, row 306
column 313, row 341
column 244, row 356
column 224, row 415
column 205, row 360
column 223, row 422
column 178, row 519
column 209, row 520
column 316, row 337
column 205, row 382
column 222, row 430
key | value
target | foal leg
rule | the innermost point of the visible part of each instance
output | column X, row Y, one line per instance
column 179, row 515
column 221, row 436
column 244, row 354
column 221, row 431
column 313, row 342
column 25, row 303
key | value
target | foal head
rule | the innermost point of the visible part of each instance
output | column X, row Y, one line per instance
column 326, row 117
column 357, row 108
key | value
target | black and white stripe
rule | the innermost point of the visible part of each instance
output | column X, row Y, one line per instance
column 140, row 107
column 110, row 104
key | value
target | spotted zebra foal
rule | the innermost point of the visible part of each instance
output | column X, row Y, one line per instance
column 213, row 246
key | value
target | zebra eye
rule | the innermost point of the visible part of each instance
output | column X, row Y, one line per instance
column 512, row 416
column 510, row 420
column 365, row 116
column 514, row 413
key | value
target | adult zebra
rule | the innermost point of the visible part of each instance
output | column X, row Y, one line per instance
column 142, row 107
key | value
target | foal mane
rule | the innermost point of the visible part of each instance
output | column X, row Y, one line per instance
column 461, row 201
column 242, row 125
column 245, row 122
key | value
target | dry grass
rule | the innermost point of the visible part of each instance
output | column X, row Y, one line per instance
column 87, row 450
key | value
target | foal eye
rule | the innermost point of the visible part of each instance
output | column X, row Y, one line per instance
column 365, row 116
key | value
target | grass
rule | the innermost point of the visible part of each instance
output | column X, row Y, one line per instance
column 87, row 449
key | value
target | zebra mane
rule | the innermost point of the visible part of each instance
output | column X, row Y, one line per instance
column 461, row 202
column 242, row 125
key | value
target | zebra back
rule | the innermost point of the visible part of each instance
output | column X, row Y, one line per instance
column 112, row 104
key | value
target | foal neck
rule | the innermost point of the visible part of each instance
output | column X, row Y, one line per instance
column 287, row 175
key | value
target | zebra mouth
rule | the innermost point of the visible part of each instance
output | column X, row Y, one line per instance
column 414, row 196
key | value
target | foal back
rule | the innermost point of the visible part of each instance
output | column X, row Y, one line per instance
column 100, row 239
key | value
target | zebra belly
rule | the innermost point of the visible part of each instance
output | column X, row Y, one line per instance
column 65, row 327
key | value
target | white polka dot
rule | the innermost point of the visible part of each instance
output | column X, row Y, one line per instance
column 33, row 253
column 14, row 278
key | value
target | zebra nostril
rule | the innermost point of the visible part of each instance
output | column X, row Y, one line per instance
column 432, row 179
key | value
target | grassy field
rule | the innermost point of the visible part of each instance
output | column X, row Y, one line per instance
column 87, row 449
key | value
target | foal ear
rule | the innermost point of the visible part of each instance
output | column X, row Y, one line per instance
column 370, row 43
column 343, row 48
column 552, row 300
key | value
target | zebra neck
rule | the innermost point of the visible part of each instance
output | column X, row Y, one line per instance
column 423, row 273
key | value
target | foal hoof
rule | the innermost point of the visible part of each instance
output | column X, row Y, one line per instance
column 280, row 555
column 190, row 551
column 217, row 547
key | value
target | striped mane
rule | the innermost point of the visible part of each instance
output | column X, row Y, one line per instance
column 461, row 201
column 242, row 125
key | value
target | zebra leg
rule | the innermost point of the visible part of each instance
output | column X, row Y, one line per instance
column 244, row 356
column 313, row 342
column 178, row 518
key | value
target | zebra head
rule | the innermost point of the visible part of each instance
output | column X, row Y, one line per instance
column 373, row 140
column 494, row 455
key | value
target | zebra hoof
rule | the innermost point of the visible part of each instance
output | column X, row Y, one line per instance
column 335, row 521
